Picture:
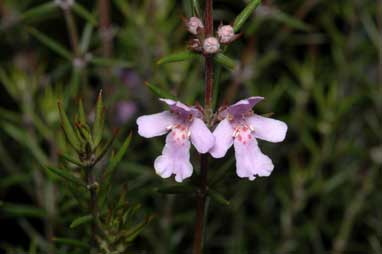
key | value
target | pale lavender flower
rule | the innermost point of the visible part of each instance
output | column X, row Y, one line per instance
column 241, row 127
column 183, row 123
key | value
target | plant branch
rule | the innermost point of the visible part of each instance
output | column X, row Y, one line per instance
column 93, row 208
column 208, row 95
column 105, row 27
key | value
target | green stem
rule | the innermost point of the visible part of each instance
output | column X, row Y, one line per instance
column 92, row 185
column 72, row 29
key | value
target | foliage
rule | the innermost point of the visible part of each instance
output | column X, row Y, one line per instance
column 318, row 63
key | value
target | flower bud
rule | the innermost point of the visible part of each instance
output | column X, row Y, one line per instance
column 226, row 34
column 193, row 24
column 195, row 45
column 64, row 4
column 211, row 45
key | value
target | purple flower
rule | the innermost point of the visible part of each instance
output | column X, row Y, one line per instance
column 241, row 127
column 183, row 123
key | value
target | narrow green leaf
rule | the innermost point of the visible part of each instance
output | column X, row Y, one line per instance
column 74, row 85
column 66, row 175
column 159, row 91
column 19, row 210
column 50, row 43
column 68, row 129
column 226, row 61
column 71, row 242
column 99, row 120
column 109, row 62
column 21, row 136
column 219, row 198
column 81, row 220
column 119, row 155
column 288, row 20
column 8, row 84
column 108, row 173
column 15, row 179
column 85, row 133
column 39, row 11
column 101, row 151
column 134, row 232
column 86, row 38
column 81, row 112
column 176, row 189
column 177, row 57
column 245, row 14
column 10, row 116
column 71, row 160
column 196, row 8
column 84, row 13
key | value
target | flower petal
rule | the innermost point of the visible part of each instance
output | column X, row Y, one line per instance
column 155, row 125
column 243, row 106
column 223, row 139
column 181, row 108
column 267, row 128
column 175, row 159
column 250, row 161
column 201, row 136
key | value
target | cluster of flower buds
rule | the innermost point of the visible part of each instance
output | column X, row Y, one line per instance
column 208, row 44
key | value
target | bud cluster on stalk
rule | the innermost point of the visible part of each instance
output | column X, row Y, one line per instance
column 204, row 44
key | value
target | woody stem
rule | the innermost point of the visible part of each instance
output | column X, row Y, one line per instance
column 203, row 183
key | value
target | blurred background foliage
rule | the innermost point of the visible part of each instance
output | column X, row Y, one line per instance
column 317, row 62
